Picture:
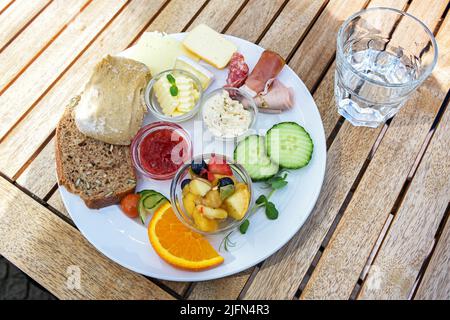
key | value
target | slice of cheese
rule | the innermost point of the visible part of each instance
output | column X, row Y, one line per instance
column 158, row 51
column 210, row 45
column 203, row 74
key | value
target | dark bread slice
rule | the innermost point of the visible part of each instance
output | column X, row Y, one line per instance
column 100, row 173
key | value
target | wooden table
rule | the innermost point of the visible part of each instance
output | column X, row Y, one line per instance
column 380, row 228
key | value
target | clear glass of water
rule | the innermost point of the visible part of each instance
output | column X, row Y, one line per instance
column 382, row 56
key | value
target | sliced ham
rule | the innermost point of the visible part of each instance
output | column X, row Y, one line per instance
column 279, row 98
column 266, row 70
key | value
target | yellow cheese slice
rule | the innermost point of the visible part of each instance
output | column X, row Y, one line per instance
column 158, row 51
column 210, row 45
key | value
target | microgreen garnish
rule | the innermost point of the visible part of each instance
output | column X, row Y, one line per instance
column 173, row 89
column 226, row 242
column 171, row 79
column 276, row 183
column 244, row 227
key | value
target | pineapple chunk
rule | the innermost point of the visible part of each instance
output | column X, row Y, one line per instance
column 203, row 223
column 189, row 202
column 199, row 186
column 212, row 213
column 237, row 204
column 212, row 199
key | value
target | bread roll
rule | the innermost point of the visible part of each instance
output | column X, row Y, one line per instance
column 112, row 107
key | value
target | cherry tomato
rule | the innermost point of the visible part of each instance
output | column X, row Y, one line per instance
column 129, row 205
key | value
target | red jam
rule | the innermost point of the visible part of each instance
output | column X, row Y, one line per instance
column 162, row 152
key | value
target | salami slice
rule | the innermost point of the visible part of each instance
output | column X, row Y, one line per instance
column 238, row 71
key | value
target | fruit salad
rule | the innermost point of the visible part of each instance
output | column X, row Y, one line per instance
column 214, row 194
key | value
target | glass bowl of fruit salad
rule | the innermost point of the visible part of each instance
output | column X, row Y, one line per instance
column 211, row 194
column 174, row 95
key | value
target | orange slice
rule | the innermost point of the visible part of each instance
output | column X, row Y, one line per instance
column 178, row 245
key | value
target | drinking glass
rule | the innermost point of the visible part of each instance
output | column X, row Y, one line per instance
column 382, row 56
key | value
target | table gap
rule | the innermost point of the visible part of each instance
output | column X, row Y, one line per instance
column 249, row 281
column 6, row 7
column 429, row 136
column 166, row 288
column 33, row 59
column 161, row 9
column 275, row 16
column 34, row 155
column 234, row 17
column 24, row 26
column 425, row 264
column 64, row 71
column 311, row 24
column 194, row 17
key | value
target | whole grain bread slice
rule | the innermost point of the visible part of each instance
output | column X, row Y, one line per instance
column 100, row 173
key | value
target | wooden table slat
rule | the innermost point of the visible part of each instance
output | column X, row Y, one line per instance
column 40, row 176
column 16, row 17
column 411, row 235
column 218, row 14
column 35, row 38
column 319, row 46
column 345, row 256
column 254, row 19
column 48, row 67
column 33, row 130
column 49, row 250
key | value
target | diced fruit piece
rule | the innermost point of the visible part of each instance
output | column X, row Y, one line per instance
column 237, row 204
column 199, row 186
column 226, row 191
column 210, row 176
column 197, row 167
column 226, row 187
column 217, row 177
column 241, row 185
column 219, row 166
column 190, row 200
column 193, row 251
column 203, row 223
column 212, row 213
column 185, row 183
column 225, row 182
column 212, row 199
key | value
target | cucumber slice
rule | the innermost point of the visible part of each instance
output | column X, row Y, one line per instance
column 289, row 145
column 251, row 154
column 150, row 201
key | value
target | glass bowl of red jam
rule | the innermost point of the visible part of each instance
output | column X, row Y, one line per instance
column 160, row 149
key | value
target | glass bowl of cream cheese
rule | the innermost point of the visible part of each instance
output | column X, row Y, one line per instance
column 229, row 113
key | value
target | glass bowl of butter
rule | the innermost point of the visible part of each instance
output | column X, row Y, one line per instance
column 174, row 95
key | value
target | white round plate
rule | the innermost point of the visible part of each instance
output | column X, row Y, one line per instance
column 125, row 240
